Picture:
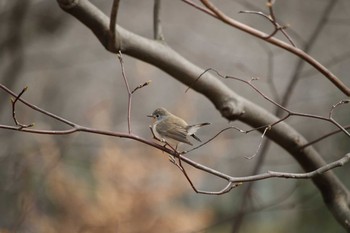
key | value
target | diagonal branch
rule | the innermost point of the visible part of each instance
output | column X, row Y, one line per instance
column 13, row 103
column 328, row 74
column 277, row 26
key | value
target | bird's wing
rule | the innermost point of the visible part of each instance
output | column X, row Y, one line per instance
column 173, row 131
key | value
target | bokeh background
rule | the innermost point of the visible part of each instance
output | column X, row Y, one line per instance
column 93, row 183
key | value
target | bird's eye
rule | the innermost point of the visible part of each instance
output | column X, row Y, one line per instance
column 157, row 115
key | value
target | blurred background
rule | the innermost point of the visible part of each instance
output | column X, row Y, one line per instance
column 93, row 183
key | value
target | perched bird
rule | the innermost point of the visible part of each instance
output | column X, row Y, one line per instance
column 172, row 129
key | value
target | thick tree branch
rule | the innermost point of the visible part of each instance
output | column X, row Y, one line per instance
column 231, row 105
column 157, row 27
column 113, row 38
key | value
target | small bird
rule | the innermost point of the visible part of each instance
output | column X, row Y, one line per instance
column 172, row 129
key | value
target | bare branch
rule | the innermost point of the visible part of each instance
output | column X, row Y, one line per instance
column 212, row 138
column 319, row 171
column 128, row 90
column 226, row 189
column 14, row 101
column 194, row 81
column 341, row 102
column 130, row 93
column 226, row 19
column 289, row 112
column 273, row 174
column 277, row 26
column 32, row 106
column 215, row 12
column 260, row 143
column 205, row 10
column 141, row 86
column 269, row 5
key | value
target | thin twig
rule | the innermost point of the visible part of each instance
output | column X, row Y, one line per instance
column 289, row 112
column 226, row 189
column 212, row 138
column 269, row 5
column 274, row 174
column 205, row 10
column 260, row 143
column 130, row 93
column 141, row 86
column 316, row 172
column 196, row 80
column 182, row 169
column 128, row 90
column 36, row 108
column 307, row 58
column 14, row 101
column 341, row 102
column 277, row 26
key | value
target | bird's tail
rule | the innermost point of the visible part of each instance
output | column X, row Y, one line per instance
column 195, row 137
column 192, row 129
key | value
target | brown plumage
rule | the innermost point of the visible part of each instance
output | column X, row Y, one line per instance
column 173, row 129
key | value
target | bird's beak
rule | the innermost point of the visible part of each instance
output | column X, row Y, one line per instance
column 150, row 116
